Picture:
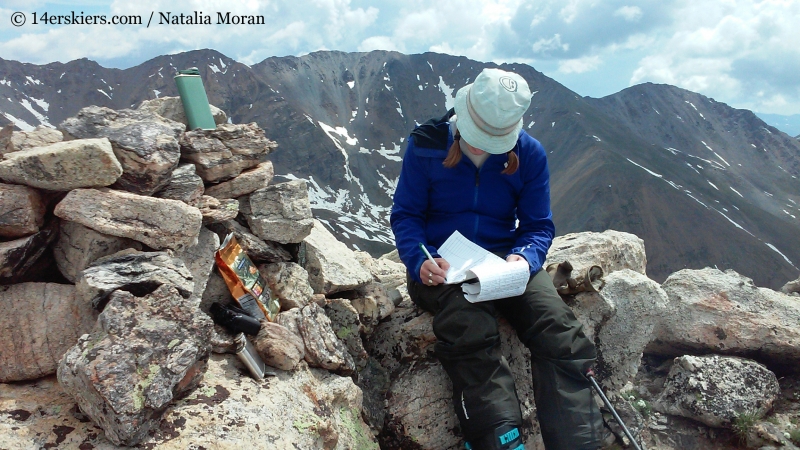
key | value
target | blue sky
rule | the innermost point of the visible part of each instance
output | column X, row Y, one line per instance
column 743, row 53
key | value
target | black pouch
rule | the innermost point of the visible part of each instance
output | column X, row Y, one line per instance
column 234, row 319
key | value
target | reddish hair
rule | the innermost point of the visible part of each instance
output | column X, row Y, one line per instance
column 454, row 157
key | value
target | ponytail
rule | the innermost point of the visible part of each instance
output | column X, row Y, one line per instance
column 454, row 154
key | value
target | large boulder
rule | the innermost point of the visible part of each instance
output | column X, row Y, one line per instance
column 611, row 250
column 63, row 166
column 137, row 272
column 725, row 313
column 23, row 140
column 280, row 213
column 289, row 281
column 419, row 411
column 155, row 222
column 620, row 319
column 331, row 266
column 172, row 108
column 245, row 183
column 347, row 326
column 199, row 259
column 79, row 246
column 40, row 322
column 21, row 211
column 19, row 255
column 716, row 389
column 145, row 144
column 226, row 151
column 147, row 352
column 279, row 347
column 322, row 347
column 183, row 185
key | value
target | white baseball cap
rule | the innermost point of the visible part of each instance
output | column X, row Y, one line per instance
column 490, row 110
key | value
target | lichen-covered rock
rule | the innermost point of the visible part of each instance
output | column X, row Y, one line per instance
column 155, row 222
column 347, row 326
column 147, row 352
column 322, row 347
column 19, row 255
column 611, row 250
column 725, row 313
column 245, row 183
column 78, row 246
column 225, row 152
column 172, row 108
column 38, row 137
column 215, row 210
column 289, row 281
column 302, row 409
column 184, row 184
column 278, row 346
column 133, row 271
column 716, row 389
column 280, row 213
column 21, row 211
column 40, row 322
column 145, row 144
column 63, row 166
column 331, row 266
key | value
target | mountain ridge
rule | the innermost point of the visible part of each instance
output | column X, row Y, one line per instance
column 702, row 183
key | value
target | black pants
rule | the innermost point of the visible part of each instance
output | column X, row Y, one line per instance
column 484, row 395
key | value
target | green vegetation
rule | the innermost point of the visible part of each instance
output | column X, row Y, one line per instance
column 794, row 436
column 743, row 423
column 643, row 406
column 351, row 421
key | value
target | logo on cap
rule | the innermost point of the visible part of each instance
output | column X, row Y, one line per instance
column 508, row 84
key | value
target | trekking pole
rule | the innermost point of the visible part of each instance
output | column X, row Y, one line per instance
column 590, row 376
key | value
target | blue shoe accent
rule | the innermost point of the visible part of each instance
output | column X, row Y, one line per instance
column 467, row 446
column 509, row 436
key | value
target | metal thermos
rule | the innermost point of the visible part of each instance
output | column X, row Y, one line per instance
column 249, row 356
column 195, row 100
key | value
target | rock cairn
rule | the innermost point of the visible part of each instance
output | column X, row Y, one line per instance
column 108, row 228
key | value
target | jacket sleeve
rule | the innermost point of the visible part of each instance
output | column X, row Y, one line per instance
column 536, row 229
column 409, row 211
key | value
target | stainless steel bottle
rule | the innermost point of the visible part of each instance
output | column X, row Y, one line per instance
column 249, row 356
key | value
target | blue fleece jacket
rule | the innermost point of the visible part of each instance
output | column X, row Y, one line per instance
column 431, row 201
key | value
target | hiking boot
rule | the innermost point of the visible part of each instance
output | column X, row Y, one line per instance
column 505, row 437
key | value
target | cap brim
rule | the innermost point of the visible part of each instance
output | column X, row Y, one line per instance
column 476, row 137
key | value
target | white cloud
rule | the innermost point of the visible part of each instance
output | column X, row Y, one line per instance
column 378, row 43
column 731, row 51
column 629, row 13
column 547, row 45
column 579, row 65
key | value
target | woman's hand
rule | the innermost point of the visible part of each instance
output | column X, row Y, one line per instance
column 430, row 274
column 512, row 258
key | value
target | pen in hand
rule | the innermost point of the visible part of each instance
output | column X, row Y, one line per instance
column 428, row 254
